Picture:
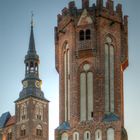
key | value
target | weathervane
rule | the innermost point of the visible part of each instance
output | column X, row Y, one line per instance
column 32, row 18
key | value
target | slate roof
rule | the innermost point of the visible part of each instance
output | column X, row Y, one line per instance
column 4, row 118
column 110, row 117
column 11, row 121
column 64, row 126
column 31, row 91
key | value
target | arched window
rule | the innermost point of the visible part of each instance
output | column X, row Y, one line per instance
column 75, row 136
column 39, row 111
column 23, row 112
column 110, row 134
column 98, row 134
column 9, row 135
column 23, row 130
column 39, row 131
column 109, row 76
column 86, row 94
column 36, row 67
column 27, row 68
column 31, row 67
column 64, row 136
column 81, row 35
column 87, row 135
column 67, row 81
column 88, row 34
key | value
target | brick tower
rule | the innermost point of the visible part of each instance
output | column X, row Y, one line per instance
column 91, row 49
column 31, row 106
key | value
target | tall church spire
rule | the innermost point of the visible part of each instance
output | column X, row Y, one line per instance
column 31, row 82
column 32, row 42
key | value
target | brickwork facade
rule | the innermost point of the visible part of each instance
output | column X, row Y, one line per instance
column 99, row 22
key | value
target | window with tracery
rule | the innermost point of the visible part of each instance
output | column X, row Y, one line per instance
column 39, row 131
column 109, row 75
column 9, row 135
column 39, row 111
column 23, row 112
column 23, row 130
column 67, row 81
column 86, row 93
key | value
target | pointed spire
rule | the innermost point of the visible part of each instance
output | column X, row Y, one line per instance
column 32, row 42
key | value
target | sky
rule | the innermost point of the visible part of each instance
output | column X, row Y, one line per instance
column 15, row 17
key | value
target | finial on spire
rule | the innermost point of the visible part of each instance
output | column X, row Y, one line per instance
column 32, row 19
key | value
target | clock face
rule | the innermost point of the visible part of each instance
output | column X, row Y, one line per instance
column 38, row 84
column 25, row 84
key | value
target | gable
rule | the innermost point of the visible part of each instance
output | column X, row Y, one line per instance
column 85, row 18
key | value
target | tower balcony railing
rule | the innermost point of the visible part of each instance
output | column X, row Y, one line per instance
column 85, row 45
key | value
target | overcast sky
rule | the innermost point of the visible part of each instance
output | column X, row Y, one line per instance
column 15, row 18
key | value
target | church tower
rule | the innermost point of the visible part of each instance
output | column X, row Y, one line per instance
column 31, row 106
column 91, row 49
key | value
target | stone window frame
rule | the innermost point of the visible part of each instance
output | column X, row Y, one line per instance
column 81, row 71
column 110, row 96
column 39, row 111
column 23, row 130
column 87, row 135
column 98, row 134
column 76, row 135
column 39, row 130
column 66, row 70
column 23, row 112
column 64, row 136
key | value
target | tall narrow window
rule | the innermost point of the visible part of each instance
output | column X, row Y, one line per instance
column 9, row 135
column 110, row 134
column 88, row 34
column 39, row 131
column 86, row 94
column 98, row 134
column 39, row 111
column 75, row 136
column 64, row 136
column 67, row 82
column 23, row 130
column 83, row 96
column 31, row 67
column 81, row 35
column 109, row 76
column 23, row 112
column 87, row 135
